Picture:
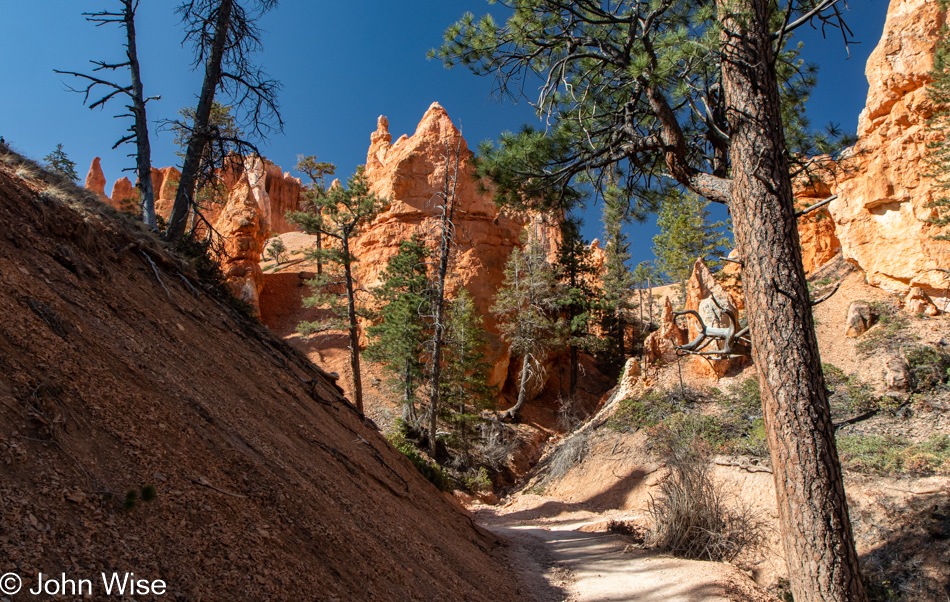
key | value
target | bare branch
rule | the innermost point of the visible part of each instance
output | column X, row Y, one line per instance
column 818, row 205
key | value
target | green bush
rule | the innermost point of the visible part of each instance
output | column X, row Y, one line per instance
column 738, row 428
column 654, row 407
column 891, row 455
column 929, row 365
column 849, row 395
column 477, row 481
column 430, row 470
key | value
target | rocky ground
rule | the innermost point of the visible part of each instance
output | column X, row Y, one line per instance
column 147, row 426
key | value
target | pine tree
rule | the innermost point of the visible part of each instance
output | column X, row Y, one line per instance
column 220, row 153
column 397, row 341
column 225, row 34
column 318, row 172
column 617, row 280
column 527, row 310
column 576, row 295
column 446, row 202
column 339, row 214
column 59, row 162
column 464, row 386
column 276, row 249
column 938, row 130
column 708, row 97
column 686, row 235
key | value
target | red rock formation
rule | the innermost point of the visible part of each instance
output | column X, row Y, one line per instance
column 96, row 180
column 709, row 299
column 124, row 195
column 244, row 227
column 816, row 229
column 410, row 172
column 658, row 347
column 919, row 302
column 277, row 192
column 881, row 212
column 258, row 198
column 165, row 190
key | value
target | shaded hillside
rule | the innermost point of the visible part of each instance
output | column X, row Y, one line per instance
column 267, row 484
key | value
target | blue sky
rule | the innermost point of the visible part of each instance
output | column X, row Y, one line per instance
column 341, row 64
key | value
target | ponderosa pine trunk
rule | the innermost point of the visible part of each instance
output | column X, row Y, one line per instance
column 352, row 326
column 816, row 530
column 200, row 135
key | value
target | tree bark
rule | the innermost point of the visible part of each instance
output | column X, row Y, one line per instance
column 816, row 530
column 449, row 183
column 409, row 408
column 622, row 349
column 199, row 135
column 512, row 413
column 574, row 362
column 143, row 155
column 354, row 336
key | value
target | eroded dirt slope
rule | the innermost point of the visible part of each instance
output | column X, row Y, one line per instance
column 267, row 484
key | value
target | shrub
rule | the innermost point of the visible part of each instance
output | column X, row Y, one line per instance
column 570, row 413
column 567, row 455
column 477, row 481
column 746, row 397
column 849, row 394
column 690, row 517
column 651, row 409
column 149, row 493
column 739, row 428
column 891, row 455
column 498, row 444
column 430, row 470
column 929, row 365
column 889, row 334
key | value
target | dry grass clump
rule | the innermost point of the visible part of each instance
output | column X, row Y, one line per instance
column 498, row 444
column 691, row 518
column 568, row 454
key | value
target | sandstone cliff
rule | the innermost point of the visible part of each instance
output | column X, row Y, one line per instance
column 880, row 214
column 411, row 172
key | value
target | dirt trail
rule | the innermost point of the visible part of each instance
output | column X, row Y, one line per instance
column 571, row 557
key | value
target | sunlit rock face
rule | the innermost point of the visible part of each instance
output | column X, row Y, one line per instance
column 881, row 212
column 96, row 180
column 412, row 173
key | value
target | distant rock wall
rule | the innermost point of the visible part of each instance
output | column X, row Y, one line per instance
column 278, row 191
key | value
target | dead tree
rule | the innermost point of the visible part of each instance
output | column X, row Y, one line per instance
column 125, row 18
column 445, row 227
column 225, row 35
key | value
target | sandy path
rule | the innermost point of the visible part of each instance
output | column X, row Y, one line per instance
column 560, row 563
